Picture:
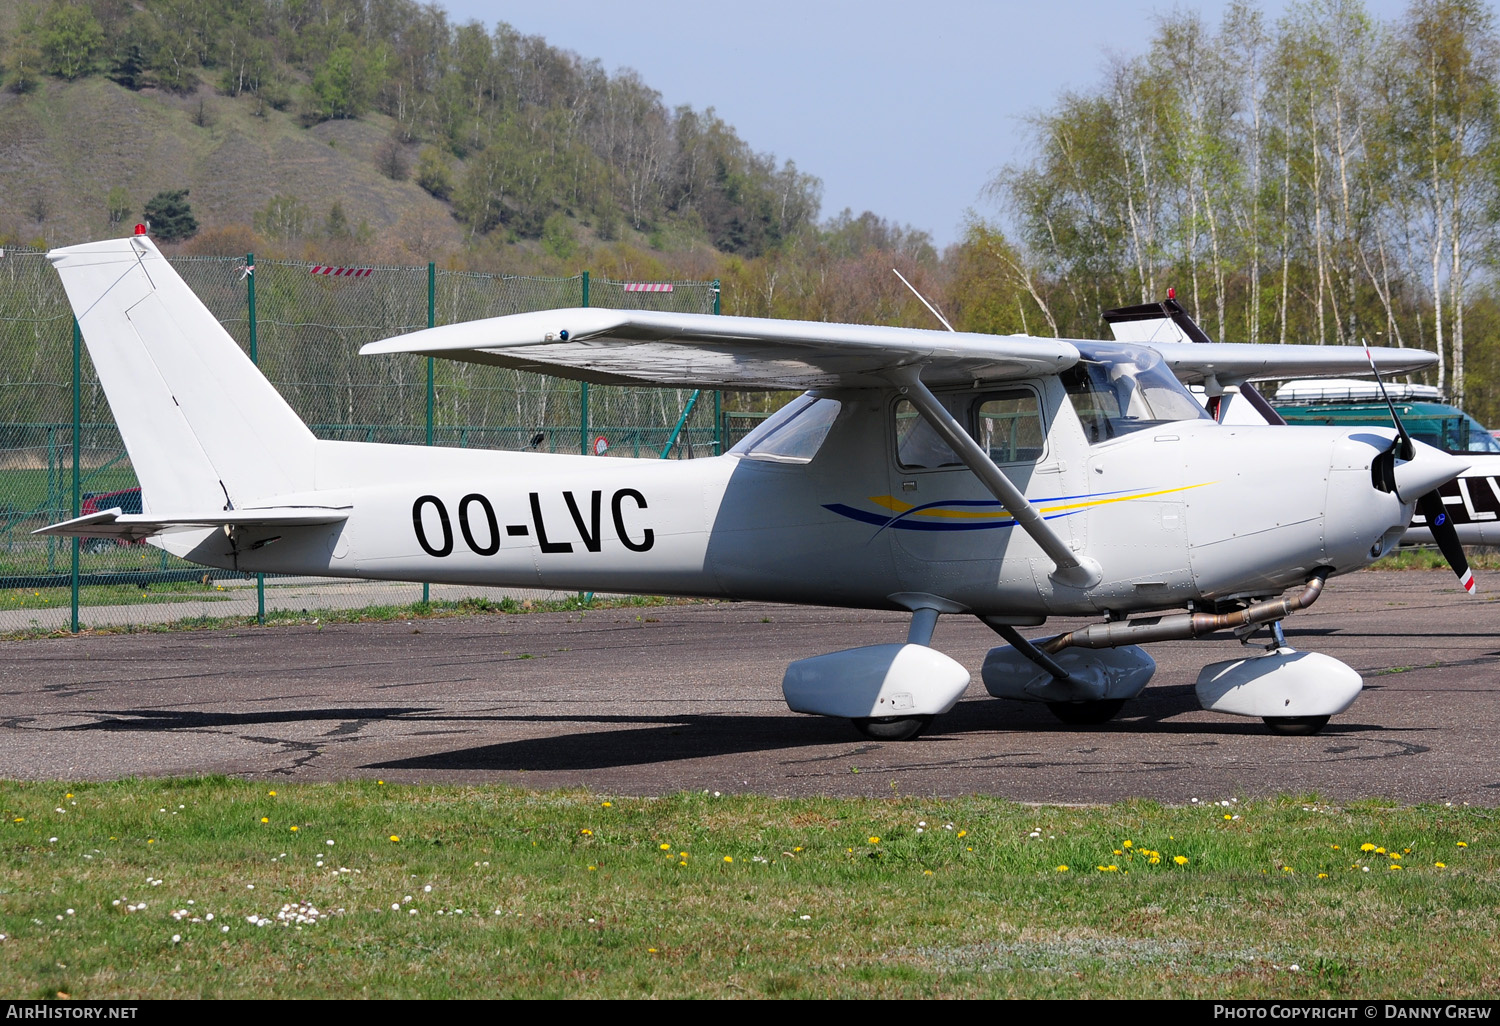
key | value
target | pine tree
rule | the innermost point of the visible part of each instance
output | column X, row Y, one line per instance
column 170, row 216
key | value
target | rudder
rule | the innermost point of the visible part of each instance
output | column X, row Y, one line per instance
column 203, row 426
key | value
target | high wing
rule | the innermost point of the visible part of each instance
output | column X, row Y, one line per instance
column 115, row 523
column 706, row 351
column 1232, row 364
column 1194, row 357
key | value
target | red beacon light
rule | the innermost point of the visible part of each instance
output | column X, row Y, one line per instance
column 140, row 229
column 1171, row 292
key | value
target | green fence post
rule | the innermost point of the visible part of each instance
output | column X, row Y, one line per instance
column 583, row 390
column 260, row 579
column 431, row 382
column 77, row 428
column 54, row 491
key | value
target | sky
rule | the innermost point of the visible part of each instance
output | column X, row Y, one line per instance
column 905, row 108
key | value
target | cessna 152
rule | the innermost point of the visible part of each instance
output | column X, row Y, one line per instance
column 1003, row 477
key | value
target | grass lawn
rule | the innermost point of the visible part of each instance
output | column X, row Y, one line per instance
column 228, row 888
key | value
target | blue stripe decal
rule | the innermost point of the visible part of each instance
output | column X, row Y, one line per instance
column 899, row 523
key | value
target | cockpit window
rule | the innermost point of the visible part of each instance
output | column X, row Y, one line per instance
column 793, row 434
column 1008, row 426
column 1118, row 389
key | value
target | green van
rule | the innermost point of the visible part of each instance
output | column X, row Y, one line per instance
column 1350, row 403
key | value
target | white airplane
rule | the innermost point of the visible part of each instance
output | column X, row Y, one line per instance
column 1007, row 478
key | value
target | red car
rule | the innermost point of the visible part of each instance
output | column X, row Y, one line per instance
column 128, row 500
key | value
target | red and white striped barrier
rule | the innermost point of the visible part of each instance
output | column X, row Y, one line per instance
column 647, row 286
column 342, row 272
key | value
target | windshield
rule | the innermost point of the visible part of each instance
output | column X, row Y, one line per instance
column 1117, row 389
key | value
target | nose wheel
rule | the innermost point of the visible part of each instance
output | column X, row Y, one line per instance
column 891, row 728
column 1295, row 726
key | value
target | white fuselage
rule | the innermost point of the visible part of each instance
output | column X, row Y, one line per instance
column 1177, row 513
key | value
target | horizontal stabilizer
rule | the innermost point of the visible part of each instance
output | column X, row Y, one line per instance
column 114, row 523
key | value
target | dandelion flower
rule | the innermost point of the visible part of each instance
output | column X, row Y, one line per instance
column 1181, row 860
column 666, row 847
column 271, row 793
column 294, row 830
column 728, row 858
column 961, row 833
column 1062, row 869
column 1126, row 844
column 265, row 819
column 874, row 840
column 1440, row 865
column 1322, row 876
column 606, row 805
column 1463, row 844
column 395, row 837
column 1367, row 846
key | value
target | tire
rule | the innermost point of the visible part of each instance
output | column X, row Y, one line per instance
column 891, row 728
column 1087, row 714
column 1295, row 726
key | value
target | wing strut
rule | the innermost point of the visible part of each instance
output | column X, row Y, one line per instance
column 1073, row 570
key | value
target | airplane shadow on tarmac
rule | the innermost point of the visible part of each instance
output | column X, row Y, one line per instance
column 658, row 739
column 626, row 740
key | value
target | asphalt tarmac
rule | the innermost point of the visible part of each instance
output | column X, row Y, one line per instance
column 645, row 701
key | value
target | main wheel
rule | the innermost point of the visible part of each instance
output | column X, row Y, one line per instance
column 891, row 728
column 1296, row 726
column 1082, row 714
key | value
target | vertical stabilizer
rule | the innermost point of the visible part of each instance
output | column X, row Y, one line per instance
column 204, row 428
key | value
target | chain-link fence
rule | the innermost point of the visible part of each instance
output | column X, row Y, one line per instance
column 303, row 324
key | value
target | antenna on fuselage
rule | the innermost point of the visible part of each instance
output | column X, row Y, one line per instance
column 923, row 299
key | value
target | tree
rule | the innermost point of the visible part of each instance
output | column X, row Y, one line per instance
column 70, row 40
column 336, row 227
column 1447, row 126
column 284, row 218
column 433, row 173
column 390, row 158
column 170, row 217
column 118, row 203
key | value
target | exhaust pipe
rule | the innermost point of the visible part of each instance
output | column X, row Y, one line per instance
column 1181, row 626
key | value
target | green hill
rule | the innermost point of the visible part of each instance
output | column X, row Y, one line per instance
column 69, row 143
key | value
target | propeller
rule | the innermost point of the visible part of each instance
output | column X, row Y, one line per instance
column 1431, row 504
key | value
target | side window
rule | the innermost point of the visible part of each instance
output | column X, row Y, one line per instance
column 918, row 447
column 1008, row 425
column 793, row 434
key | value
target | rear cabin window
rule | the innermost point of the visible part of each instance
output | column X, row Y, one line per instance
column 793, row 434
